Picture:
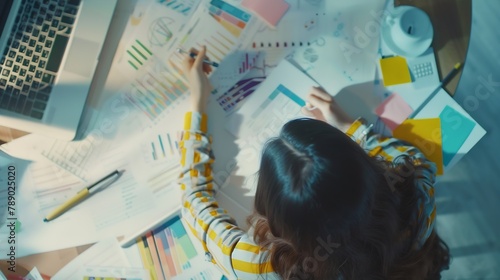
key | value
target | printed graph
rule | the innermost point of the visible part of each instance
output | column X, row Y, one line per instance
column 167, row 251
column 233, row 98
column 230, row 17
column 218, row 45
column 247, row 64
column 138, row 54
column 159, row 31
column 160, row 147
column 156, row 90
column 281, row 95
column 184, row 7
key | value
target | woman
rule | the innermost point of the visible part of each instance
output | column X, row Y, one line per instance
column 333, row 200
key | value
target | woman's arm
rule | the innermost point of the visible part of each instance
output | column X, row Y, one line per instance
column 225, row 244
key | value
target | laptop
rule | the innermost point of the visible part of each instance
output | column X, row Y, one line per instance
column 49, row 52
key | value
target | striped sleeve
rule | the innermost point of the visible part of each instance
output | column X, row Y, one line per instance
column 226, row 245
column 391, row 148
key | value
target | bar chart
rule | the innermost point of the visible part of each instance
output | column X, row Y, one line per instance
column 167, row 251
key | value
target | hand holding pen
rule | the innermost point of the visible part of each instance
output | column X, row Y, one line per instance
column 196, row 71
column 193, row 55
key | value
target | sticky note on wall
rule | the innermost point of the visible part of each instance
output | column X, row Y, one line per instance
column 425, row 134
column 393, row 111
column 455, row 128
column 395, row 71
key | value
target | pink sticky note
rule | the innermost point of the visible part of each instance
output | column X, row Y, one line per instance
column 270, row 11
column 393, row 111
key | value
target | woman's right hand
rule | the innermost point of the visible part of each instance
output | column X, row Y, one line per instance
column 199, row 85
column 321, row 106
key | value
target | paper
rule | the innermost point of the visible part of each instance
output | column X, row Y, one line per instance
column 167, row 252
column 299, row 26
column 393, row 111
column 112, row 273
column 395, row 71
column 104, row 253
column 456, row 128
column 278, row 99
column 152, row 35
column 345, row 51
column 425, row 134
column 226, row 31
column 147, row 189
column 34, row 274
column 436, row 106
column 270, row 11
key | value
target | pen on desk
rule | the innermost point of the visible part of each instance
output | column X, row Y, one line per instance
column 452, row 74
column 126, row 242
column 193, row 55
column 84, row 193
column 446, row 79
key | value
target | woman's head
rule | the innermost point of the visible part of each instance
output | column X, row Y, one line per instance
column 313, row 179
column 318, row 187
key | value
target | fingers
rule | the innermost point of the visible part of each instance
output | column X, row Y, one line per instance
column 321, row 93
column 306, row 112
column 198, row 62
column 321, row 104
column 189, row 62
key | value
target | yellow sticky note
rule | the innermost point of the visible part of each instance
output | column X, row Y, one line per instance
column 395, row 70
column 425, row 134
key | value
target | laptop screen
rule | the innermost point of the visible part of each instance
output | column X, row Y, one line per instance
column 5, row 6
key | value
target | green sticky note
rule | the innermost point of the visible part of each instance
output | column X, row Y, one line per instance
column 455, row 129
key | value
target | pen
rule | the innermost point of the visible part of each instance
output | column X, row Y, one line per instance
column 82, row 194
column 446, row 79
column 193, row 55
column 126, row 242
column 452, row 74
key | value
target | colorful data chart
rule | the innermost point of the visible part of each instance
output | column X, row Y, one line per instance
column 167, row 251
column 159, row 31
column 230, row 17
column 247, row 65
column 163, row 146
column 156, row 91
column 230, row 100
column 181, row 6
column 138, row 54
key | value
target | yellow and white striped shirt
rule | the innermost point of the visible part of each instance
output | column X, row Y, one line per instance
column 232, row 248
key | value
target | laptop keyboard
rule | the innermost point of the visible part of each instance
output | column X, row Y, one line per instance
column 32, row 58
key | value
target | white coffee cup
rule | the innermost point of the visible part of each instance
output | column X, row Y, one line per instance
column 408, row 31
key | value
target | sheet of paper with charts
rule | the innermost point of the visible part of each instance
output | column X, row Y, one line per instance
column 136, row 130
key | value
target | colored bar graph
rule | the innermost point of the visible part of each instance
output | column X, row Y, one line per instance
column 167, row 250
column 155, row 92
column 230, row 9
column 247, row 65
column 230, row 17
column 158, row 147
column 181, row 6
column 138, row 54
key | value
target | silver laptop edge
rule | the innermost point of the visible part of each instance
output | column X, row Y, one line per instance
column 74, row 78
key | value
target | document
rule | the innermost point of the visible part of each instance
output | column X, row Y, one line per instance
column 106, row 253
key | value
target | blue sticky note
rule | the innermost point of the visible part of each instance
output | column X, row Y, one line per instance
column 455, row 129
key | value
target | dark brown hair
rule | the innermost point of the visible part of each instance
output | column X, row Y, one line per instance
column 325, row 210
